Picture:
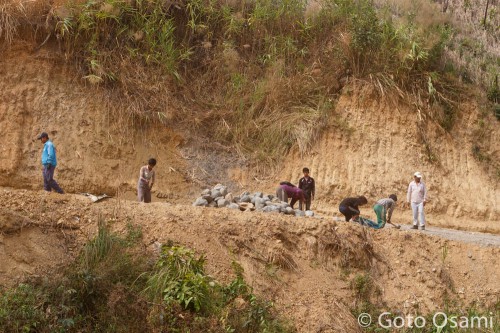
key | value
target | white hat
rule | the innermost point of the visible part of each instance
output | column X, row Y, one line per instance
column 417, row 174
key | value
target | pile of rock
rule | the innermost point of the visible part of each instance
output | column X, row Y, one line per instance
column 219, row 196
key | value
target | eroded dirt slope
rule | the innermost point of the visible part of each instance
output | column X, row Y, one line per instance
column 374, row 147
column 100, row 148
column 305, row 265
column 371, row 147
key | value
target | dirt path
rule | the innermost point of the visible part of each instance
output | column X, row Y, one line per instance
column 482, row 239
column 478, row 238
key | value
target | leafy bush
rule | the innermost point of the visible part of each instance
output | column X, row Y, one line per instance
column 88, row 295
column 178, row 281
column 103, row 291
column 179, row 277
column 20, row 309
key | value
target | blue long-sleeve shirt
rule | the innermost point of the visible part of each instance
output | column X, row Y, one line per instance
column 49, row 154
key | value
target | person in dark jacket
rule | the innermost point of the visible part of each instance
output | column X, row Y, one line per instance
column 307, row 185
column 349, row 207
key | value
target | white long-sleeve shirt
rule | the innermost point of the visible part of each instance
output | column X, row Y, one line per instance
column 417, row 192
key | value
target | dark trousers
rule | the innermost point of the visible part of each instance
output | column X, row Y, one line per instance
column 49, row 183
column 308, row 203
column 348, row 212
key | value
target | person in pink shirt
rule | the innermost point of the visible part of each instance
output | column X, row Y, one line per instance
column 288, row 190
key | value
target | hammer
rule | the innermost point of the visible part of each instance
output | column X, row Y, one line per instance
column 397, row 226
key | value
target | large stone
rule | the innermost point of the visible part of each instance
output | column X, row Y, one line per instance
column 233, row 205
column 299, row 212
column 259, row 203
column 215, row 193
column 222, row 202
column 223, row 190
column 270, row 203
column 200, row 202
column 258, row 200
column 309, row 213
column 206, row 191
column 245, row 198
column 229, row 197
column 258, row 194
column 271, row 209
column 208, row 198
column 212, row 204
column 289, row 211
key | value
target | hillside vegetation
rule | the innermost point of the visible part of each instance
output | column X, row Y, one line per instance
column 263, row 73
column 110, row 287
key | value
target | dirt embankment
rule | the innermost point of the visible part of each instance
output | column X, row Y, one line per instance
column 374, row 146
column 305, row 265
column 371, row 147
column 100, row 148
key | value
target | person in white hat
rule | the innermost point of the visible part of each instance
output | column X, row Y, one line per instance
column 417, row 197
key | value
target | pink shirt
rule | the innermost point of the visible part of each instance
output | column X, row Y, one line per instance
column 293, row 192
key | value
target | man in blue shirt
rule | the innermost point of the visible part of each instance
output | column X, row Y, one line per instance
column 49, row 162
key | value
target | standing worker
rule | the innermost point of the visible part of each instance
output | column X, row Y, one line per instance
column 417, row 197
column 49, row 162
column 146, row 181
column 307, row 185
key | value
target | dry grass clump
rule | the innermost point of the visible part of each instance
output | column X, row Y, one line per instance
column 279, row 256
column 11, row 14
column 473, row 49
column 346, row 252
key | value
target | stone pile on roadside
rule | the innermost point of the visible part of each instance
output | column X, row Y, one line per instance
column 219, row 196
